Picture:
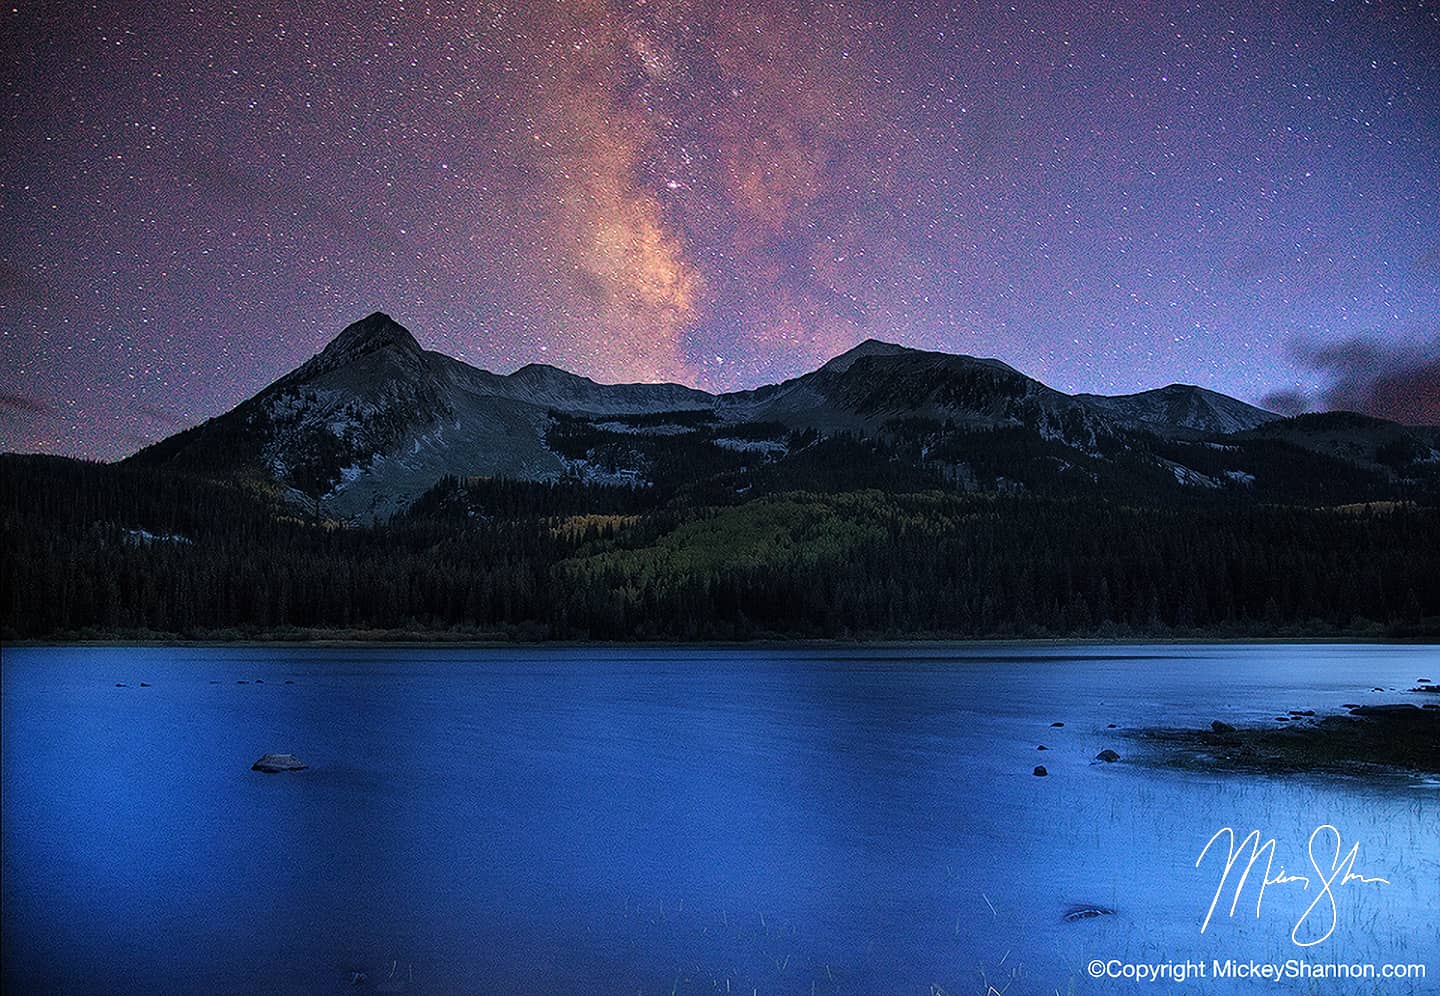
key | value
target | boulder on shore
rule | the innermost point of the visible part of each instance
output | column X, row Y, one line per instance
column 274, row 763
column 1398, row 709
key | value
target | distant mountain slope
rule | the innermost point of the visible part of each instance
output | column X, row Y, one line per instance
column 372, row 422
column 1180, row 407
column 876, row 382
column 1363, row 440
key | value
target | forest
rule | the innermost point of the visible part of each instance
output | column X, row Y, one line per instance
column 96, row 551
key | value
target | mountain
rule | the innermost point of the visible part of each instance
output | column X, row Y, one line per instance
column 370, row 424
column 373, row 420
column 1181, row 407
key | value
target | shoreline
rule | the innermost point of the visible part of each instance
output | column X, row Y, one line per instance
column 1392, row 739
column 412, row 641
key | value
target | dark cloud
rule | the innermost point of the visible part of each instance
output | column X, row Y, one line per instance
column 20, row 405
column 1287, row 402
column 1399, row 381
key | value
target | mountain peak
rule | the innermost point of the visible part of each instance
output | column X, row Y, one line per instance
column 374, row 331
column 870, row 347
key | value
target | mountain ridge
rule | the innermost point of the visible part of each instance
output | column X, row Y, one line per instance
column 367, row 425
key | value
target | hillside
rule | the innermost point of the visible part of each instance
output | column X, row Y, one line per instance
column 96, row 551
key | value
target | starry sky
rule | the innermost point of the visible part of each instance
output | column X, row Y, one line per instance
column 1109, row 197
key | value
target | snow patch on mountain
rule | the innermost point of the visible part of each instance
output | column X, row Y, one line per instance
column 766, row 447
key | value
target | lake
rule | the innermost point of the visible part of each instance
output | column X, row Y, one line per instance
column 679, row 820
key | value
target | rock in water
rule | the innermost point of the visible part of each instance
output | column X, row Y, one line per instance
column 1108, row 756
column 274, row 763
column 1075, row 913
column 1040, row 771
column 1219, row 727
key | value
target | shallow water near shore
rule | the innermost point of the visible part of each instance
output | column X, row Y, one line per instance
column 686, row 820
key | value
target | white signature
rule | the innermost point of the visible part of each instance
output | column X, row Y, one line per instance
column 1340, row 871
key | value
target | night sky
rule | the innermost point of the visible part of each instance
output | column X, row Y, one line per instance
column 196, row 199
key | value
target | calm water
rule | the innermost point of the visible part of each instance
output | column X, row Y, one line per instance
column 657, row 820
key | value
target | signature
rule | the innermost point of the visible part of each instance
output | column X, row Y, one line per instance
column 1337, row 871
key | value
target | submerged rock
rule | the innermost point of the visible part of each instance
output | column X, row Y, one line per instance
column 274, row 763
column 1040, row 771
column 1085, row 912
column 1108, row 756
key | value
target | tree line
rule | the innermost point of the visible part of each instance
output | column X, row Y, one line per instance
column 101, row 550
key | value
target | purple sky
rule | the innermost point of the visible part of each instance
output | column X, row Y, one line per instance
column 1243, row 196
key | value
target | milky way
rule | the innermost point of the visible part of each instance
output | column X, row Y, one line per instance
column 195, row 199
